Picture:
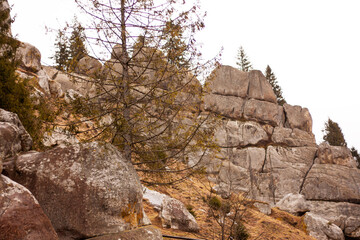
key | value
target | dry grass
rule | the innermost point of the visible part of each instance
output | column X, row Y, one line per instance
column 279, row 225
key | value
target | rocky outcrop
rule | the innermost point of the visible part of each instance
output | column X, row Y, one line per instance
column 172, row 212
column 58, row 136
column 21, row 216
column 82, row 189
column 5, row 6
column 269, row 151
column 13, row 136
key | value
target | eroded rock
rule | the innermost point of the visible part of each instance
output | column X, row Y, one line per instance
column 298, row 117
column 335, row 155
column 293, row 203
column 144, row 233
column 293, row 137
column 29, row 56
column 88, row 66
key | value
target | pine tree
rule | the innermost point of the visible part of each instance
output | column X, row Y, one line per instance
column 333, row 134
column 270, row 76
column 243, row 62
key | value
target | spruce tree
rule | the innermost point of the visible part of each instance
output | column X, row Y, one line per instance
column 76, row 48
column 333, row 134
column 243, row 62
column 270, row 76
column 62, row 54
column 355, row 154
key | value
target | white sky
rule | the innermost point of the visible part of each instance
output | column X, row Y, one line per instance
column 313, row 47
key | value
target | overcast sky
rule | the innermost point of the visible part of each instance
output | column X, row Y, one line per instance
column 313, row 47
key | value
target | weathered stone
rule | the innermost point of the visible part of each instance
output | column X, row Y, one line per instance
column 264, row 112
column 29, row 56
column 88, row 66
column 12, row 118
column 332, row 183
column 293, row 203
column 116, row 51
column 176, row 216
column 82, row 189
column 293, row 137
column 144, row 233
column 321, row 229
column 228, row 106
column 172, row 212
column 55, row 88
column 72, row 95
column 251, row 158
column 335, row 155
column 21, row 216
column 58, row 136
column 229, row 81
column 344, row 215
column 232, row 178
column 44, row 81
column 298, row 117
column 241, row 134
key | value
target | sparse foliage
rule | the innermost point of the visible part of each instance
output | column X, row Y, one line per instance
column 69, row 49
column 355, row 154
column 270, row 76
column 148, row 90
column 243, row 61
column 333, row 134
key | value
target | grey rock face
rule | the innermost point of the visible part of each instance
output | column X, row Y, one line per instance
column 335, row 155
column 172, row 212
column 10, row 142
column 228, row 106
column 5, row 6
column 322, row 229
column 293, row 137
column 264, row 112
column 229, row 81
column 58, row 137
column 332, row 183
column 21, row 216
column 82, row 189
column 13, row 119
column 293, row 203
column 29, row 56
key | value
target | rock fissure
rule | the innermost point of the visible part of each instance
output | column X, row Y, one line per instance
column 306, row 174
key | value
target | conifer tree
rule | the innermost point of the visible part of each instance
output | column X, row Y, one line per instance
column 355, row 154
column 333, row 134
column 62, row 54
column 270, row 76
column 243, row 62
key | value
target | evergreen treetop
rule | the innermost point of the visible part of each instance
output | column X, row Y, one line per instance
column 243, row 62
column 333, row 134
column 270, row 76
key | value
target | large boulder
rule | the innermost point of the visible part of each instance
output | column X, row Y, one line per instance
column 293, row 203
column 335, row 155
column 29, row 56
column 229, row 81
column 298, row 117
column 321, row 229
column 172, row 212
column 264, row 112
column 12, row 132
column 144, row 233
column 82, row 189
column 21, row 217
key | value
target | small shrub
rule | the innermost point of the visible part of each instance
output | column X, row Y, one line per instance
column 215, row 203
column 240, row 232
column 190, row 208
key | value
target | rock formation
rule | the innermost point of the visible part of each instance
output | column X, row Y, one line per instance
column 269, row 151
